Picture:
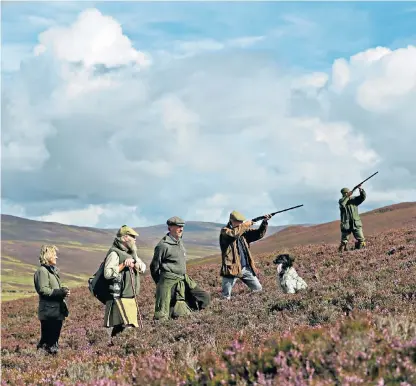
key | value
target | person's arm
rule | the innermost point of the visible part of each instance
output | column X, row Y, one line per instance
column 158, row 254
column 361, row 198
column 140, row 266
column 256, row 234
column 112, row 266
column 237, row 231
column 43, row 287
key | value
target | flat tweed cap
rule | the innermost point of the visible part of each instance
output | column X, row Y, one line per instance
column 175, row 221
column 236, row 216
column 344, row 190
column 125, row 230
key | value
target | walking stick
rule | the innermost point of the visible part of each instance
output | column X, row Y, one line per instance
column 135, row 295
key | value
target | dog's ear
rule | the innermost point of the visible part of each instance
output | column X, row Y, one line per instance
column 276, row 259
column 291, row 259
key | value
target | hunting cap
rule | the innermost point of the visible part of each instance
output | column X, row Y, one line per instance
column 236, row 216
column 344, row 190
column 125, row 230
column 175, row 221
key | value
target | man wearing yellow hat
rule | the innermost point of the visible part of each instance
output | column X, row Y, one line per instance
column 237, row 262
column 350, row 218
column 122, row 267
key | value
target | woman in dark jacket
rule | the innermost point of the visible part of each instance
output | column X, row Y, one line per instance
column 52, row 306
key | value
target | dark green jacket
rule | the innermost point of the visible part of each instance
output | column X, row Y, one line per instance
column 169, row 256
column 348, row 206
column 51, row 297
column 125, row 276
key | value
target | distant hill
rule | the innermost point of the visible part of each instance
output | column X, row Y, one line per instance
column 81, row 249
column 22, row 229
column 374, row 221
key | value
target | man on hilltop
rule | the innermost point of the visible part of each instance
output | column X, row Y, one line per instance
column 176, row 293
column 350, row 219
column 237, row 262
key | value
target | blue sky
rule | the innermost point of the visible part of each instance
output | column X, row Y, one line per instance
column 148, row 126
column 306, row 34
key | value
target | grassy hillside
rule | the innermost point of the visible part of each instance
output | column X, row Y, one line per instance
column 17, row 278
column 354, row 325
column 81, row 249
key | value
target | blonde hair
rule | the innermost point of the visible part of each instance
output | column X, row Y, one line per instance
column 46, row 252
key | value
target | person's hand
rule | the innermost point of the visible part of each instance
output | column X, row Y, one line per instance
column 360, row 188
column 129, row 263
column 66, row 291
column 267, row 217
column 141, row 266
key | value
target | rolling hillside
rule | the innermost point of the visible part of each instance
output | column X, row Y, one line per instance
column 354, row 325
column 374, row 221
column 81, row 249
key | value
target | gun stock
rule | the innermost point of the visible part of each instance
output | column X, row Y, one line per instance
column 272, row 214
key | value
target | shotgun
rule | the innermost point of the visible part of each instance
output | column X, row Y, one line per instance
column 272, row 214
column 356, row 187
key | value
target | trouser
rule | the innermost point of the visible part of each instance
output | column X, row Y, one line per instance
column 357, row 233
column 248, row 278
column 50, row 331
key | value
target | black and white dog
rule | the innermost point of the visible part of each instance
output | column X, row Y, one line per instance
column 287, row 277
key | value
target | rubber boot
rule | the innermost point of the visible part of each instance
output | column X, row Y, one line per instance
column 342, row 247
column 359, row 244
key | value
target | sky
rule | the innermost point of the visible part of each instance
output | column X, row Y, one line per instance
column 131, row 112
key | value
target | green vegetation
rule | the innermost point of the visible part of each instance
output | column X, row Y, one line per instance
column 17, row 279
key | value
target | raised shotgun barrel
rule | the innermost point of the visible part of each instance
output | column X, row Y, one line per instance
column 356, row 186
column 272, row 214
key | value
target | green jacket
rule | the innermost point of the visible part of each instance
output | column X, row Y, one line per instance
column 125, row 276
column 169, row 256
column 348, row 206
column 51, row 298
column 167, row 281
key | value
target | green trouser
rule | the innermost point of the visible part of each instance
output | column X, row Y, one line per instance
column 166, row 283
column 357, row 232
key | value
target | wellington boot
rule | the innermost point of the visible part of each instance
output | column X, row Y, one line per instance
column 342, row 247
column 359, row 244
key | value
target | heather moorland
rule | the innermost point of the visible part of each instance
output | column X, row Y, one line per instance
column 354, row 325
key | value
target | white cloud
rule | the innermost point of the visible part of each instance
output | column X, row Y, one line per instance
column 88, row 217
column 340, row 74
column 93, row 39
column 93, row 215
column 394, row 78
column 246, row 41
column 40, row 21
column 187, row 48
column 203, row 135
